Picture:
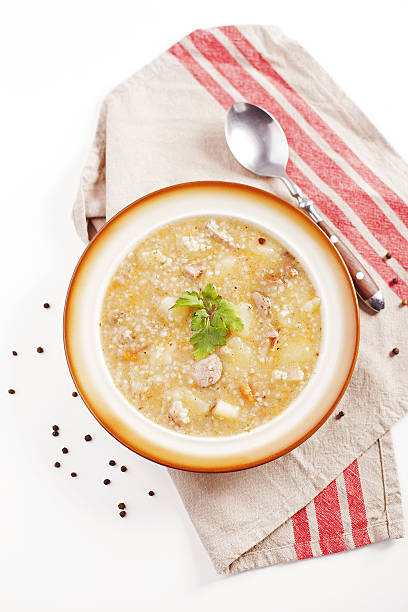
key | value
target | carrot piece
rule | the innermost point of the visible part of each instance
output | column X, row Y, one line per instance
column 131, row 356
column 272, row 342
column 246, row 392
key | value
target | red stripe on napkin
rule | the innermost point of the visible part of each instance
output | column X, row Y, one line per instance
column 327, row 206
column 301, row 532
column 337, row 144
column 329, row 523
column 328, row 171
column 344, row 224
column 356, row 505
column 201, row 75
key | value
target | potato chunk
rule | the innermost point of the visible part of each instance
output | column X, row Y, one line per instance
column 311, row 305
column 236, row 356
column 178, row 315
column 295, row 351
column 248, row 318
column 153, row 258
column 227, row 264
column 224, row 410
column 194, row 404
column 294, row 373
column 267, row 255
column 160, row 355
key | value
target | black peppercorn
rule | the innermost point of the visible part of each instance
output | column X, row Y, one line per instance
column 57, row 464
column 151, row 493
column 64, row 450
column 15, row 353
column 40, row 349
column 46, row 305
column 106, row 481
column 123, row 468
column 55, row 427
column 88, row 438
column 388, row 255
column 395, row 281
column 11, row 391
column 261, row 240
column 112, row 462
column 55, row 432
column 74, row 394
column 73, row 474
column 395, row 351
column 339, row 415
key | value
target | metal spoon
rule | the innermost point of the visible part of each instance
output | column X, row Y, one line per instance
column 258, row 143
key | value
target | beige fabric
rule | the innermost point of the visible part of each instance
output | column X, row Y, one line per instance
column 162, row 127
column 384, row 515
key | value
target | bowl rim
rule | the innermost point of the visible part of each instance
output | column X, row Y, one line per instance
column 142, row 452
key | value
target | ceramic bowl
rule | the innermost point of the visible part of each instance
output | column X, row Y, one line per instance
column 340, row 327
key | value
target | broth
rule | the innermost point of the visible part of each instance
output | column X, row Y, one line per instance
column 260, row 369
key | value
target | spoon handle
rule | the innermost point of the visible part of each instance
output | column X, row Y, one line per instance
column 364, row 283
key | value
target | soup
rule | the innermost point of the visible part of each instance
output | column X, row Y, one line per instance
column 238, row 347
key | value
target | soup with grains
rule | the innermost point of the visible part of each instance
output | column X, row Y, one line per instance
column 210, row 327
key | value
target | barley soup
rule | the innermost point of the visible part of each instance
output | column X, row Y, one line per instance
column 238, row 347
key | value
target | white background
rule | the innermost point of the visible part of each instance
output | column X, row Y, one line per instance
column 62, row 545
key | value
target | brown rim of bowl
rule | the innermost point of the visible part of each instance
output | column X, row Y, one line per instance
column 273, row 456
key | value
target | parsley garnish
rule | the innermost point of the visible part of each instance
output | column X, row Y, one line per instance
column 212, row 319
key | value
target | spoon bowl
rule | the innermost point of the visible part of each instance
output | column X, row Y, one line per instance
column 256, row 140
column 258, row 143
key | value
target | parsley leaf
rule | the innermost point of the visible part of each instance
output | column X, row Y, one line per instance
column 228, row 315
column 207, row 339
column 210, row 297
column 200, row 318
column 212, row 319
column 189, row 298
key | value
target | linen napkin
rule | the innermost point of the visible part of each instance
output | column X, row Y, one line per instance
column 164, row 125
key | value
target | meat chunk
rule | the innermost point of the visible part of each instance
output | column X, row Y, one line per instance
column 218, row 234
column 157, row 256
column 289, row 265
column 191, row 243
column 130, row 342
column 279, row 277
column 193, row 270
column 271, row 333
column 116, row 317
column 208, row 371
column 178, row 413
column 274, row 278
column 262, row 303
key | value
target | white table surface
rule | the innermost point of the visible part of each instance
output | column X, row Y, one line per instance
column 62, row 545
